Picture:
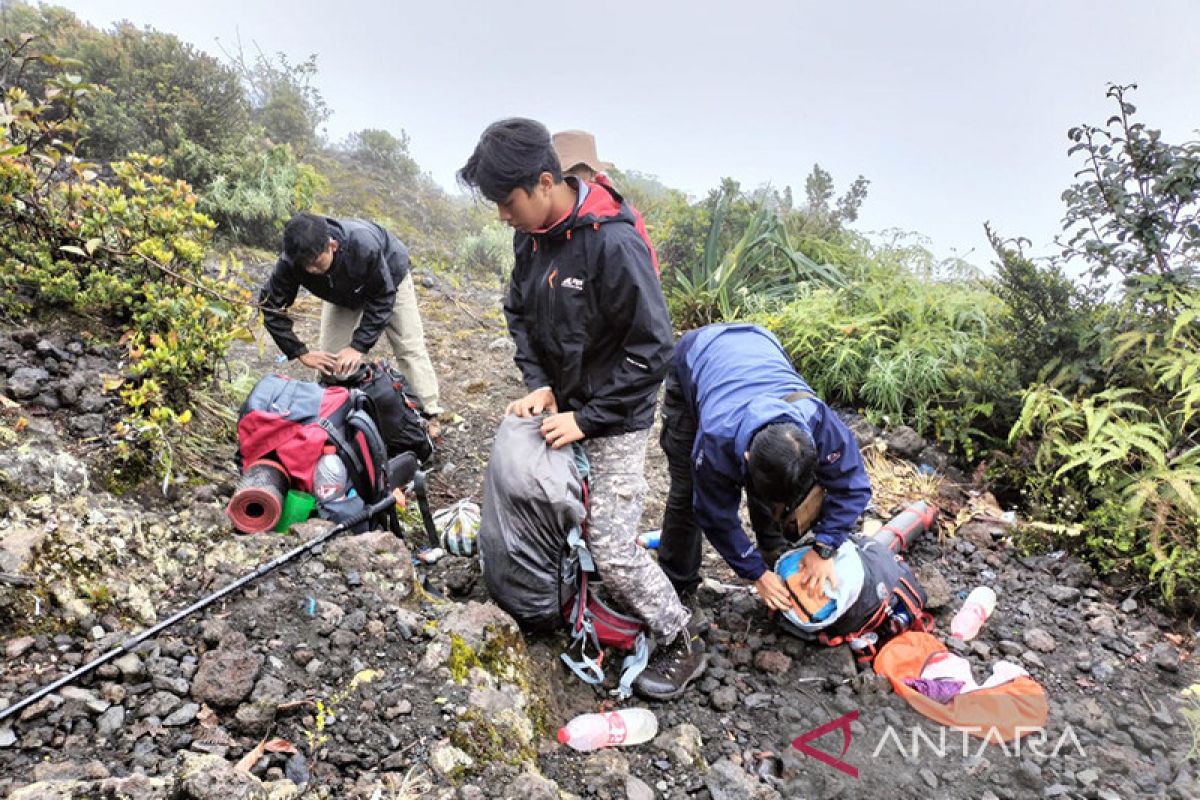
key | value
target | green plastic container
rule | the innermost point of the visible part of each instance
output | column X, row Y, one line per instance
column 297, row 507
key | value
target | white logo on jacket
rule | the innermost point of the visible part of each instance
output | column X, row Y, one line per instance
column 573, row 283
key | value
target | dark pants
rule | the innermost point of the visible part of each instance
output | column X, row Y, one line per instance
column 680, row 549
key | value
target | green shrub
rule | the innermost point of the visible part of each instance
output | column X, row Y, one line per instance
column 1050, row 324
column 1129, row 444
column 488, row 252
column 760, row 264
column 903, row 349
column 123, row 250
column 253, row 195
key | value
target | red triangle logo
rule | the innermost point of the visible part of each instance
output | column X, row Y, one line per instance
column 843, row 723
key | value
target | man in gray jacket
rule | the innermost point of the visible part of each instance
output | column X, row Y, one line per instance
column 361, row 271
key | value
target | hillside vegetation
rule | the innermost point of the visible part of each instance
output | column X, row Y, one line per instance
column 131, row 162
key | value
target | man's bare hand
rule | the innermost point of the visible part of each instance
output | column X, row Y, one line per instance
column 532, row 404
column 319, row 360
column 348, row 360
column 813, row 571
column 772, row 591
column 559, row 430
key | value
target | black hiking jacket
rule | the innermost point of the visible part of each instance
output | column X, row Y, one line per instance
column 587, row 313
column 368, row 266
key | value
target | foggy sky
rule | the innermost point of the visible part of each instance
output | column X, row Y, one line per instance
column 956, row 111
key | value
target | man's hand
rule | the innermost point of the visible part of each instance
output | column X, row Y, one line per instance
column 348, row 360
column 772, row 591
column 532, row 404
column 813, row 571
column 319, row 360
column 559, row 430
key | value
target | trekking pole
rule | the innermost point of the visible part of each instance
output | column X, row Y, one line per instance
column 431, row 534
column 129, row 644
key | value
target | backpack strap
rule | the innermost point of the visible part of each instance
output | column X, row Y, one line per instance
column 871, row 624
column 588, row 668
column 922, row 619
column 419, row 488
column 362, row 422
column 634, row 664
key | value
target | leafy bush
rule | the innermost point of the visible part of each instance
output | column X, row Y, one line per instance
column 489, row 252
column 1050, row 323
column 154, row 91
column 212, row 123
column 124, row 249
column 252, row 195
column 282, row 97
column 1129, row 445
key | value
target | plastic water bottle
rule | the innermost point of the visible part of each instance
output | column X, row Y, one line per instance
column 329, row 476
column 623, row 727
column 979, row 605
column 901, row 620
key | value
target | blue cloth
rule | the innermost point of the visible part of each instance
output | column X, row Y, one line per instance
column 735, row 377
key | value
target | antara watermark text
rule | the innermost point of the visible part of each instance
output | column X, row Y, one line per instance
column 916, row 742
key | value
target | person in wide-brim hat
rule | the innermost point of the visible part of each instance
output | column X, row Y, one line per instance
column 577, row 154
column 576, row 151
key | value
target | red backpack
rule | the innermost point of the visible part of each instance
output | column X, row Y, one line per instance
column 291, row 423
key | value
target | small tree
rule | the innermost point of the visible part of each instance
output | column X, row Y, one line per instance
column 1136, row 210
column 1131, row 446
column 822, row 216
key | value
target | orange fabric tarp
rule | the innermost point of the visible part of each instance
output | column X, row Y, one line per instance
column 1000, row 713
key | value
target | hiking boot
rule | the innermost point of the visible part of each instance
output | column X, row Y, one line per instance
column 672, row 667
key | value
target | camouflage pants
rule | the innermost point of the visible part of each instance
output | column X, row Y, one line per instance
column 617, row 489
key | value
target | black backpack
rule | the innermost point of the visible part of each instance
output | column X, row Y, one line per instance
column 397, row 412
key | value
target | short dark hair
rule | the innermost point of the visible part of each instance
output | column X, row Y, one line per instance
column 304, row 238
column 511, row 153
column 782, row 463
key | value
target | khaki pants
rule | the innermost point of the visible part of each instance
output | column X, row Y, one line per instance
column 404, row 333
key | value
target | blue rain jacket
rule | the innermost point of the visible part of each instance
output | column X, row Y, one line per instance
column 734, row 377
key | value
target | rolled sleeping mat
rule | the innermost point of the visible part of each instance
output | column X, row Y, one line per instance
column 907, row 526
column 258, row 501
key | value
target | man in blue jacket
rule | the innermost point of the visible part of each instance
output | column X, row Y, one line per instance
column 736, row 415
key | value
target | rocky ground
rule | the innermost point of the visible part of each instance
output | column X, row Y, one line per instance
column 356, row 673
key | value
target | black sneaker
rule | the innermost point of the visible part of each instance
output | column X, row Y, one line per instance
column 672, row 667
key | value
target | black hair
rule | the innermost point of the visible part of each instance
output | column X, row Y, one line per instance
column 304, row 238
column 511, row 153
column 782, row 463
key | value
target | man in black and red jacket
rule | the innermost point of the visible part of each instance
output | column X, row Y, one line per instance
column 593, row 338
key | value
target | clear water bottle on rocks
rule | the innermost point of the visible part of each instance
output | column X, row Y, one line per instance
column 626, row 726
column 980, row 604
column 330, row 478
